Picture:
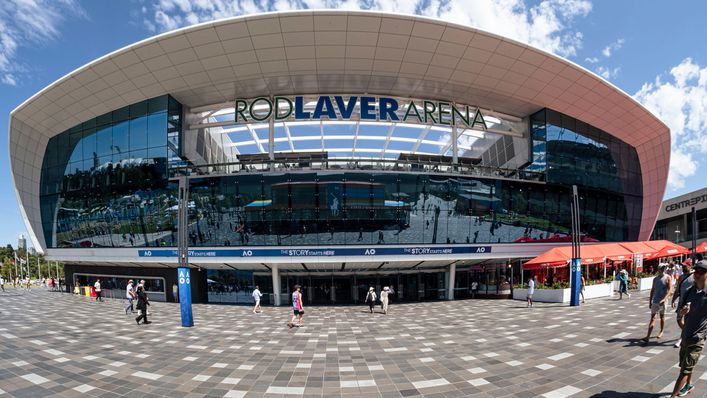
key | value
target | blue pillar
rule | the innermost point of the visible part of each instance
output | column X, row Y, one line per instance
column 185, row 297
column 575, row 281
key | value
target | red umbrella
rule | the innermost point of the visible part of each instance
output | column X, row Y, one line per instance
column 702, row 247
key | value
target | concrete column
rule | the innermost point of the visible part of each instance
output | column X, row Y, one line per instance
column 276, row 285
column 455, row 138
column 450, row 281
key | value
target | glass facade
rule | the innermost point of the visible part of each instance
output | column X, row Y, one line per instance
column 369, row 208
column 104, row 182
column 571, row 152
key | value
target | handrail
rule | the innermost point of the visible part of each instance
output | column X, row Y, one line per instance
column 396, row 165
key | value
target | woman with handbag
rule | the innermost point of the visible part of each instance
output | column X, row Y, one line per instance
column 142, row 303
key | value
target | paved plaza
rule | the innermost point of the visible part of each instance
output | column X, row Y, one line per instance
column 55, row 344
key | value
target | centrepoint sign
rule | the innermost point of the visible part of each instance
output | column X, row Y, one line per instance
column 352, row 107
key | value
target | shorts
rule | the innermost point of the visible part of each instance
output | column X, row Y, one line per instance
column 690, row 351
column 529, row 297
column 298, row 312
column 656, row 308
column 257, row 302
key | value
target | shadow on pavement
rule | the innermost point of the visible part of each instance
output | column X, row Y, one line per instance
column 639, row 342
column 616, row 394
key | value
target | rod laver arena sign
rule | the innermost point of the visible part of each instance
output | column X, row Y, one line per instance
column 338, row 107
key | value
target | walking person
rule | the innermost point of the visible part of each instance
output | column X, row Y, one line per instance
column 531, row 290
column 686, row 281
column 693, row 307
column 662, row 286
column 384, row 299
column 97, row 289
column 142, row 303
column 175, row 292
column 581, row 288
column 371, row 298
column 2, row 284
column 130, row 296
column 297, row 307
column 256, row 297
column 623, row 284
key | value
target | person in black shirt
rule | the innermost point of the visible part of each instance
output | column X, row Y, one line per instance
column 142, row 303
column 693, row 306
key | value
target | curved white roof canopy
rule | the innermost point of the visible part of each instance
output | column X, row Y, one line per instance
column 308, row 52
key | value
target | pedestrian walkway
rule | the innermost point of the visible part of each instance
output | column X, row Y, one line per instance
column 54, row 344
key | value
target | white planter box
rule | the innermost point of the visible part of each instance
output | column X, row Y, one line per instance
column 563, row 295
column 544, row 295
column 645, row 283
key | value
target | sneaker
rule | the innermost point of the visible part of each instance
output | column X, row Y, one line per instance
column 677, row 344
column 686, row 390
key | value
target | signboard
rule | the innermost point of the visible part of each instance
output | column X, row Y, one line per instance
column 318, row 252
column 184, row 284
column 352, row 107
column 638, row 262
column 686, row 203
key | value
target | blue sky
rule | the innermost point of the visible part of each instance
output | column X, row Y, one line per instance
column 654, row 52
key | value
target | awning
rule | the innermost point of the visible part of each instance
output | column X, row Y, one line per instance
column 667, row 249
column 616, row 252
column 640, row 248
column 702, row 247
column 560, row 256
column 552, row 258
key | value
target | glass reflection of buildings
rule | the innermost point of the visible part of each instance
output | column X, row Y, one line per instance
column 105, row 183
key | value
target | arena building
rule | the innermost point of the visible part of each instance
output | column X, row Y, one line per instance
column 332, row 149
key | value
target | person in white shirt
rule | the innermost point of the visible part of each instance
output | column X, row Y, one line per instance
column 531, row 290
column 256, row 296
column 130, row 296
column 97, row 289
column 384, row 299
column 2, row 283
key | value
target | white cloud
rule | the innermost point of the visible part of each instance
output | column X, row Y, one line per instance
column 608, row 73
column 608, row 50
column 27, row 22
column 545, row 25
column 680, row 100
column 592, row 60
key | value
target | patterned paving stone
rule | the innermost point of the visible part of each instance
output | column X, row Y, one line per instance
column 60, row 345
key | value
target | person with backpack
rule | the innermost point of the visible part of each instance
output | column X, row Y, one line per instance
column 142, row 302
column 371, row 298
column 686, row 281
column 693, row 307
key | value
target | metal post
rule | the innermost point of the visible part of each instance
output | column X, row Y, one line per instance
column 576, row 264
column 271, row 137
column 183, row 253
column 694, row 236
column 455, row 144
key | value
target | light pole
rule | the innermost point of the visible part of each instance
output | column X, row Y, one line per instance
column 677, row 235
column 183, row 276
column 576, row 263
